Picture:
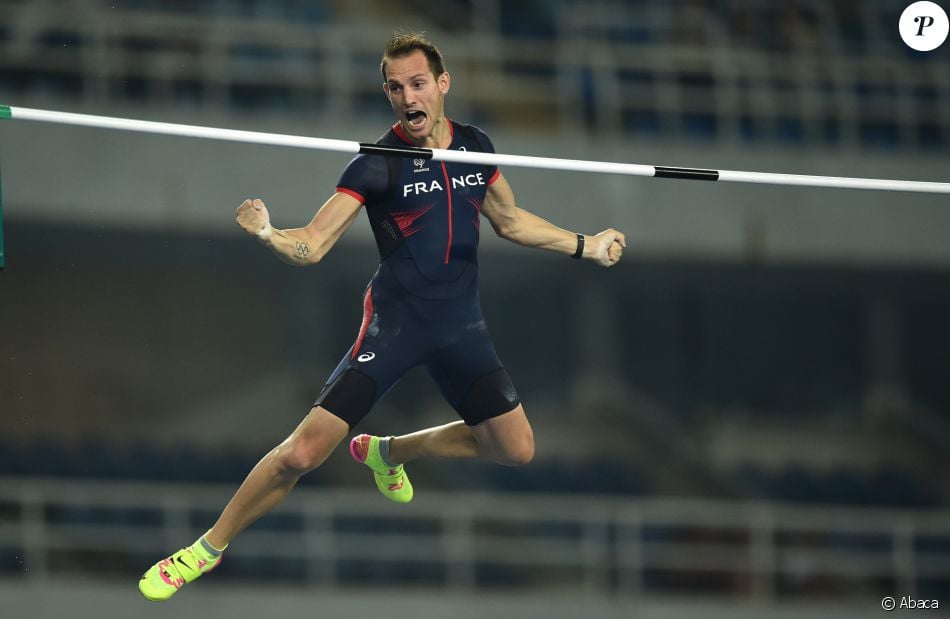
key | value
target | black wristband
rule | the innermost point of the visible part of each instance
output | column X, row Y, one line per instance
column 580, row 247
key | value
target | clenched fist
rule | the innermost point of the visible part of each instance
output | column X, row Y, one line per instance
column 252, row 215
column 608, row 247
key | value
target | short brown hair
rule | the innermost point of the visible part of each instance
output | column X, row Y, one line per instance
column 403, row 44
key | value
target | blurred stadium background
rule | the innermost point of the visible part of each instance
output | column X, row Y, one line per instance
column 749, row 417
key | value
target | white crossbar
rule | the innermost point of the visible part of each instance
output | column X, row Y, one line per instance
column 437, row 154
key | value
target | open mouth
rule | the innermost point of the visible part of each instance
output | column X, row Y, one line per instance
column 415, row 118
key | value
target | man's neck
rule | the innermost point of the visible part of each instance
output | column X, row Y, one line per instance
column 441, row 136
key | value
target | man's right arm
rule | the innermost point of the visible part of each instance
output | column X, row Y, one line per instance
column 301, row 246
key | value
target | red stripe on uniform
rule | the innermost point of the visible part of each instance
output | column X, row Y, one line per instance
column 367, row 317
column 406, row 219
column 352, row 193
column 448, row 195
column 401, row 134
column 494, row 177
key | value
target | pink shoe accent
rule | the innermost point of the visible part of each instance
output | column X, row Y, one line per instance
column 202, row 563
column 166, row 576
column 359, row 447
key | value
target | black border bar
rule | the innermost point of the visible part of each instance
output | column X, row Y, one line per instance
column 694, row 174
column 403, row 151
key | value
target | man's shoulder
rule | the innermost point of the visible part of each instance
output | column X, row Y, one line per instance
column 474, row 134
column 468, row 129
column 390, row 139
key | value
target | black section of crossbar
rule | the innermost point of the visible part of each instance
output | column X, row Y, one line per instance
column 688, row 173
column 401, row 151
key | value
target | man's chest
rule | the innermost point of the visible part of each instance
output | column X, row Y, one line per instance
column 427, row 181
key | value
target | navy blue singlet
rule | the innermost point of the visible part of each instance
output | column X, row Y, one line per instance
column 422, row 305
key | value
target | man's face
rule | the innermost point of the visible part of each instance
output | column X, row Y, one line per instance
column 417, row 96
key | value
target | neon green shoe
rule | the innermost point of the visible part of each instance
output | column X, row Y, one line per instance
column 391, row 481
column 166, row 577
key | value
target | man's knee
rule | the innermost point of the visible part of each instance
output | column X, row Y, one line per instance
column 506, row 439
column 519, row 451
column 299, row 455
column 311, row 443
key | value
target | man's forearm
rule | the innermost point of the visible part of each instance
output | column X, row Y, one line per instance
column 528, row 229
column 292, row 246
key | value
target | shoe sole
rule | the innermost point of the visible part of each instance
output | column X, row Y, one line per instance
column 155, row 599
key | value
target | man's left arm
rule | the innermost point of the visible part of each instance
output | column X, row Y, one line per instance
column 519, row 226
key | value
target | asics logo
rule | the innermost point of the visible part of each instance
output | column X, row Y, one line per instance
column 366, row 356
column 394, row 487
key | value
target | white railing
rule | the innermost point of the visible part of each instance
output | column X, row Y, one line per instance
column 468, row 541
column 580, row 79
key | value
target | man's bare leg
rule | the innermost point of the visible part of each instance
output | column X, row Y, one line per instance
column 266, row 485
column 272, row 479
column 506, row 439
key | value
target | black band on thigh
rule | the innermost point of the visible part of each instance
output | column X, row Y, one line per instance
column 349, row 397
column 489, row 396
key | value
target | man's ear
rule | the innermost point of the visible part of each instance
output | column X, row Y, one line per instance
column 445, row 82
